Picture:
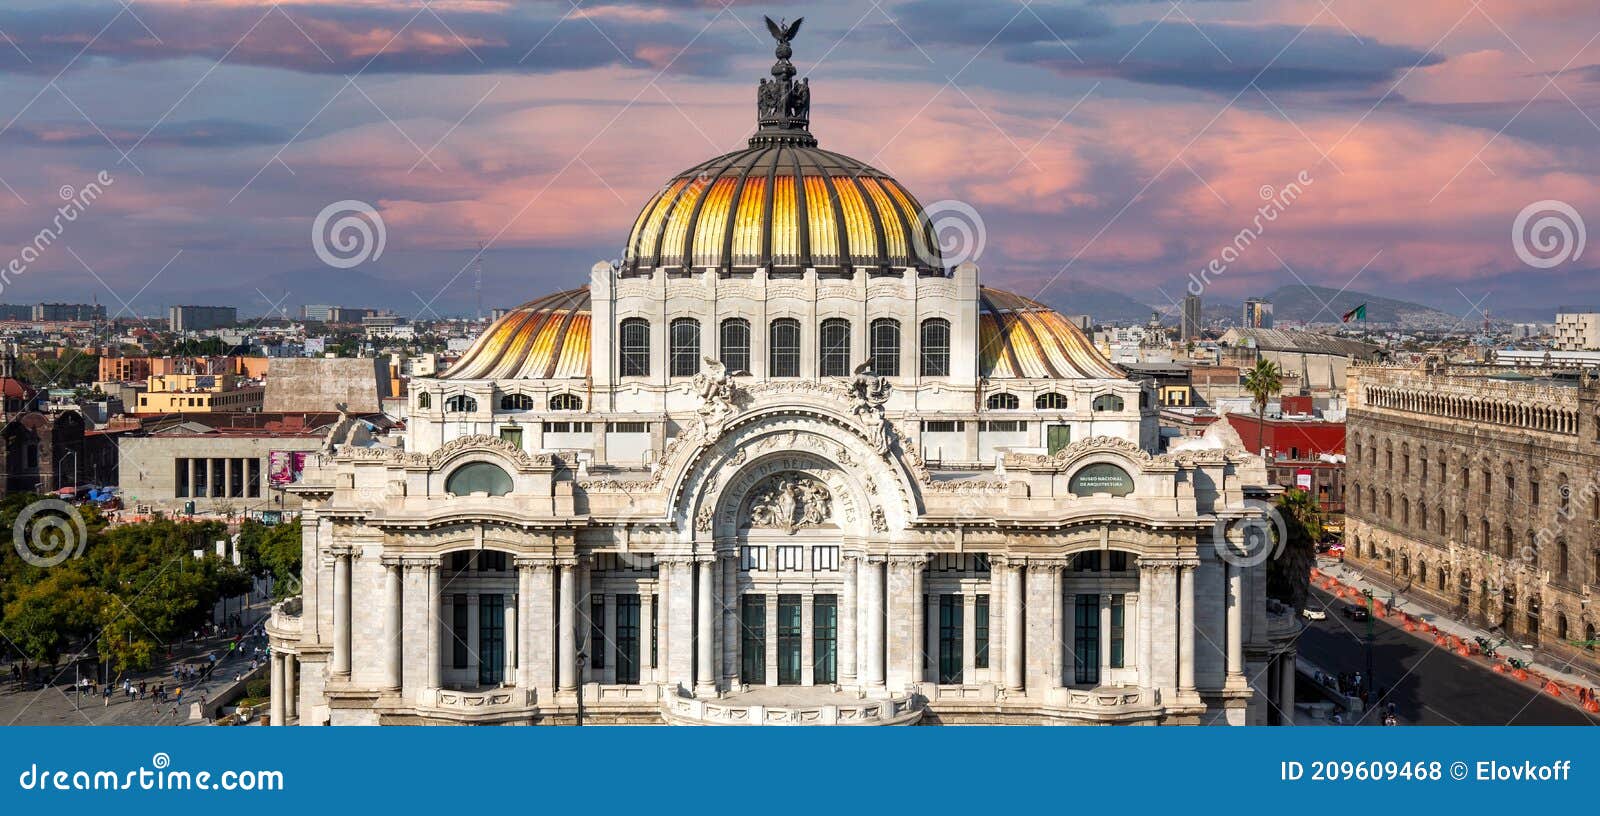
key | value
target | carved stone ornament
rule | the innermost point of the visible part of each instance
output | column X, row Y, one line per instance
column 718, row 395
column 789, row 502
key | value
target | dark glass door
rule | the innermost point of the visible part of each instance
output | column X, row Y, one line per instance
column 825, row 639
column 950, row 639
column 789, row 640
column 627, row 638
column 491, row 639
column 1086, row 640
column 753, row 640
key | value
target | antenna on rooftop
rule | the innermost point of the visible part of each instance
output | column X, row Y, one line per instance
column 477, row 283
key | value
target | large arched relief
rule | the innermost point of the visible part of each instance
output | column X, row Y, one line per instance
column 713, row 491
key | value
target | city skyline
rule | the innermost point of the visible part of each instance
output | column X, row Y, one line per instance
column 1109, row 145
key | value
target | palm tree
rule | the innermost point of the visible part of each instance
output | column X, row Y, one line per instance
column 1264, row 382
column 1289, row 574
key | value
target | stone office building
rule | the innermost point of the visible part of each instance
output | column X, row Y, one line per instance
column 697, row 491
column 1475, row 488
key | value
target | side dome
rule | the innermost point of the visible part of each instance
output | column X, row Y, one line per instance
column 545, row 338
column 1021, row 338
column 783, row 204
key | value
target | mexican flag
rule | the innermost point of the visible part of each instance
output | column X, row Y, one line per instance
column 1358, row 313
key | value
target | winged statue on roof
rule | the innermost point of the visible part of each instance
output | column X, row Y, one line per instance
column 868, row 393
column 718, row 395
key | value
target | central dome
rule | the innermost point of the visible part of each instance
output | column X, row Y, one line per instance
column 783, row 204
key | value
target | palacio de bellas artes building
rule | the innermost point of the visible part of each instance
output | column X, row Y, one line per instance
column 781, row 464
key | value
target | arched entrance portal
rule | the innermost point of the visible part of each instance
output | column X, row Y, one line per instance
column 792, row 519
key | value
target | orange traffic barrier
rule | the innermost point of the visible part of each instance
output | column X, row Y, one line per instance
column 1552, row 689
column 1500, row 668
column 1438, row 640
column 1520, row 674
column 1592, row 707
column 1463, row 651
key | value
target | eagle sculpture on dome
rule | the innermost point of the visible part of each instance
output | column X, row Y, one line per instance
column 782, row 31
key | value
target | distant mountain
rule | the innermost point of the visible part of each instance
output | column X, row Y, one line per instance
column 1306, row 304
column 1103, row 305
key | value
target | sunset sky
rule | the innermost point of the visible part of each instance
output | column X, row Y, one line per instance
column 1113, row 143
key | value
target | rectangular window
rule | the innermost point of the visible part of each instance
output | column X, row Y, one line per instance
column 458, row 634
column 825, row 639
column 783, row 348
column 981, row 634
column 789, row 629
column 219, row 478
column 180, row 478
column 825, row 558
column 1086, row 640
column 575, row 427
column 491, row 639
column 1118, row 610
column 1057, row 437
column 950, row 645
column 255, row 477
column 1004, row 426
column 791, row 557
column 943, row 426
column 655, row 631
column 627, row 638
column 597, row 631
column 625, row 427
column 834, row 348
column 735, row 345
column 753, row 639
column 752, row 558
column 236, row 478
column 512, row 435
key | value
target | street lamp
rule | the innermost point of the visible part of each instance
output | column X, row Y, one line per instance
column 583, row 659
column 1367, row 593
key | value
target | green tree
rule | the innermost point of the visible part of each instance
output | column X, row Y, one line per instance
column 1289, row 574
column 272, row 551
column 1263, row 382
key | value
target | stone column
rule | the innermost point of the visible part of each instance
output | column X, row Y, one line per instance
column 905, row 620
column 1235, row 602
column 341, row 611
column 705, row 642
column 474, row 636
column 969, row 638
column 728, row 610
column 680, row 621
column 279, row 701
column 1105, row 637
column 518, row 628
column 291, row 686
column 1186, row 627
column 538, row 655
column 872, row 599
column 663, row 617
column 996, row 673
column 1286, row 687
column 569, row 625
column 647, row 622
column 393, row 623
column 1044, row 633
column 920, row 640
column 436, row 629
column 1014, row 641
column 513, row 639
column 808, row 635
column 847, row 622
column 1147, row 604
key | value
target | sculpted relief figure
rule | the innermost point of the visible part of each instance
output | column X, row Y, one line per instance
column 790, row 502
column 867, row 397
column 715, row 387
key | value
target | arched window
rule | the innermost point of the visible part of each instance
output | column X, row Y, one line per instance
column 734, row 345
column 478, row 477
column 1108, row 402
column 1051, row 401
column 1561, row 559
column 935, row 347
column 635, row 348
column 424, row 400
column 833, row 349
column 1003, row 402
column 566, row 402
column 1588, row 637
column 461, row 404
column 885, row 351
column 684, row 347
column 516, row 402
column 783, row 348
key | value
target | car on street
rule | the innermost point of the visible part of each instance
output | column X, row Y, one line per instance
column 1357, row 613
column 1313, row 614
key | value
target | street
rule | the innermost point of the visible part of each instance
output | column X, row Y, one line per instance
column 1428, row 684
